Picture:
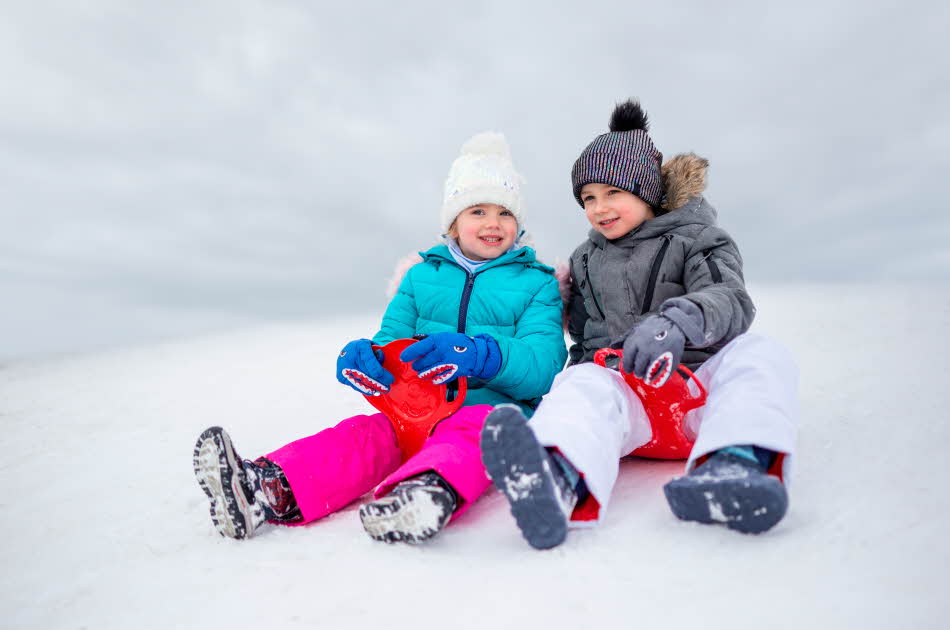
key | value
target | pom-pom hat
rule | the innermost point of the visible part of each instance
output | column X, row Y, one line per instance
column 482, row 173
column 625, row 157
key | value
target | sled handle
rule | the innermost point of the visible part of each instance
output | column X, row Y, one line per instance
column 600, row 358
column 693, row 402
column 452, row 392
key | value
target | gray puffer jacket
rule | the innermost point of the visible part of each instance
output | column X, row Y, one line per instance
column 679, row 259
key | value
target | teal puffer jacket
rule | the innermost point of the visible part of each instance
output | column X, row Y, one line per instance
column 513, row 298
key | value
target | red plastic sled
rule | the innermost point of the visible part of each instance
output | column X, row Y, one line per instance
column 666, row 408
column 414, row 405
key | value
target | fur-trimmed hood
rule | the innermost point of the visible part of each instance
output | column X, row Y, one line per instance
column 684, row 177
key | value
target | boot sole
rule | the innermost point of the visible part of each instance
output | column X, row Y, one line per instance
column 520, row 469
column 750, row 506
column 215, row 463
column 408, row 520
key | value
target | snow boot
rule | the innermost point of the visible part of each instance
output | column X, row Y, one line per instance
column 731, row 489
column 272, row 491
column 413, row 512
column 537, row 487
column 243, row 494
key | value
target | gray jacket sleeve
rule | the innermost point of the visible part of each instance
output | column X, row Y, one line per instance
column 714, row 282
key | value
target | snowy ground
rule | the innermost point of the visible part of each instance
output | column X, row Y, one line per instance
column 103, row 525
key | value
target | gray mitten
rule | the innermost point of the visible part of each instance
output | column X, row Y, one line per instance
column 653, row 349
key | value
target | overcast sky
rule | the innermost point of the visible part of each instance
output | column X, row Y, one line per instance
column 170, row 168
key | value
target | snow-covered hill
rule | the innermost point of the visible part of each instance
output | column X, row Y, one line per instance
column 103, row 525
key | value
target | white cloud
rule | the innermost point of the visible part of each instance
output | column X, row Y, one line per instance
column 194, row 155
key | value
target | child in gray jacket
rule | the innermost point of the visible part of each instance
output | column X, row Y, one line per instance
column 659, row 277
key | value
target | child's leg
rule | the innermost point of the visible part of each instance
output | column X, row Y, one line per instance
column 593, row 418
column 438, row 483
column 338, row 465
column 745, row 430
column 452, row 451
column 753, row 399
column 540, row 485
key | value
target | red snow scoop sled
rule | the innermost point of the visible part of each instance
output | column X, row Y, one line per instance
column 414, row 405
column 666, row 407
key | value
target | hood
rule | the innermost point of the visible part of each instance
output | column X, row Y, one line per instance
column 684, row 177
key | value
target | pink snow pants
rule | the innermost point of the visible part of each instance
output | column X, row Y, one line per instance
column 338, row 465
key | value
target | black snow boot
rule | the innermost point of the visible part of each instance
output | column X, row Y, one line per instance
column 537, row 487
column 272, row 491
column 243, row 494
column 732, row 490
column 413, row 512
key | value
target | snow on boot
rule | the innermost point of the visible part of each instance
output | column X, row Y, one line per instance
column 540, row 495
column 416, row 510
column 729, row 489
column 222, row 476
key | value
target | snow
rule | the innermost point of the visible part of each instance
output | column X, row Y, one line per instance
column 715, row 508
column 518, row 484
column 104, row 525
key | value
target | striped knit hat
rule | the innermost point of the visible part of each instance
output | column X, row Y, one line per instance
column 625, row 157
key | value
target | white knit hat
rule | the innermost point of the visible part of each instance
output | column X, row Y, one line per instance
column 482, row 173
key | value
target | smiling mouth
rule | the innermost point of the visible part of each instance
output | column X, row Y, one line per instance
column 608, row 222
column 490, row 240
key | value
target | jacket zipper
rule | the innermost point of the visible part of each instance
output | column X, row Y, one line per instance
column 591, row 285
column 466, row 296
column 463, row 306
column 713, row 267
column 654, row 272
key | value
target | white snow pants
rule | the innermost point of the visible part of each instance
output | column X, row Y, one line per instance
column 594, row 418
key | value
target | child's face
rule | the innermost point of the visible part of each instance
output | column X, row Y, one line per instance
column 485, row 231
column 612, row 211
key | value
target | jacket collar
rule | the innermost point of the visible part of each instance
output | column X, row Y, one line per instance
column 523, row 255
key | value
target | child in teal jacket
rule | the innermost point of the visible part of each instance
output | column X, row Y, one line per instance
column 489, row 311
column 513, row 299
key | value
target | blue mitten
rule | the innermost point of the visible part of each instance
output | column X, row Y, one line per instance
column 444, row 357
column 360, row 368
column 653, row 349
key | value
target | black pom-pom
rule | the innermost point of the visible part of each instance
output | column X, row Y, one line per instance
column 629, row 116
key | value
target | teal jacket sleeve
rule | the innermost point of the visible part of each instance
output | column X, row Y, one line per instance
column 532, row 357
column 399, row 320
